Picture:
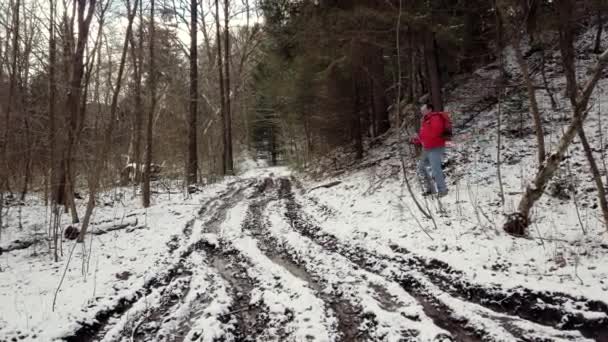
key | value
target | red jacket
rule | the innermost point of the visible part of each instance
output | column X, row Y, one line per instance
column 431, row 131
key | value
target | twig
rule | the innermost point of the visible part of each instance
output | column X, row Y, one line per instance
column 65, row 270
column 141, row 321
column 245, row 308
column 416, row 219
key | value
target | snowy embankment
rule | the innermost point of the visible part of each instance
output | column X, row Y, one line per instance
column 119, row 263
column 567, row 248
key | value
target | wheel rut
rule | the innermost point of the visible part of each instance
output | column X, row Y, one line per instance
column 418, row 279
column 137, row 317
column 349, row 318
column 433, row 309
column 217, row 278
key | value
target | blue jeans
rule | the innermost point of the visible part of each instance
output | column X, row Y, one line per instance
column 432, row 159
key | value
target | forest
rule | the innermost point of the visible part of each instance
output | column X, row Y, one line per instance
column 270, row 140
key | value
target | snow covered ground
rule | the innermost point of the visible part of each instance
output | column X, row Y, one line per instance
column 343, row 255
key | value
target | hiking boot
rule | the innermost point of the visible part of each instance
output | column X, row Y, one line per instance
column 428, row 193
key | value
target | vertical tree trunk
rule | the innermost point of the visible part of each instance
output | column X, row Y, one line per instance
column 538, row 125
column 218, row 42
column 192, row 162
column 138, row 69
column 152, row 82
column 28, row 158
column 52, row 89
column 378, row 85
column 73, row 97
column 500, row 46
column 433, row 70
column 106, row 143
column 228, row 124
column 547, row 170
column 566, row 34
column 597, row 48
column 11, row 92
column 356, row 120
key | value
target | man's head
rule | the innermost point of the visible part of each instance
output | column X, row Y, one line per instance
column 426, row 108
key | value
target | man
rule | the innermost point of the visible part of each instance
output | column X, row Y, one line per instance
column 432, row 137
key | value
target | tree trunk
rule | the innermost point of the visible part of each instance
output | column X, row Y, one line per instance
column 597, row 177
column 28, row 158
column 357, row 120
column 152, row 77
column 218, row 42
column 11, row 93
column 433, row 70
column 499, row 89
column 566, row 41
column 535, row 190
column 566, row 34
column 52, row 88
column 138, row 70
column 597, row 48
column 538, row 125
column 106, row 143
column 73, row 98
column 192, row 162
column 378, row 86
column 228, row 124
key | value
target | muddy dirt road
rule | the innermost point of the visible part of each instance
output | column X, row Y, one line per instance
column 253, row 266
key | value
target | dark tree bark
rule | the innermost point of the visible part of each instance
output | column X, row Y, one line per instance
column 138, row 57
column 597, row 48
column 228, row 118
column 152, row 83
column 378, row 86
column 432, row 64
column 192, row 162
column 52, row 89
column 356, row 119
column 11, row 93
column 220, row 71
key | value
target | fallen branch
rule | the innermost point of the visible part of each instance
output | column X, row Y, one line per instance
column 24, row 244
column 327, row 186
column 121, row 226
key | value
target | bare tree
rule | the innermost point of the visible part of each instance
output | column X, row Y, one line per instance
column 192, row 161
column 106, row 144
column 152, row 106
column 223, row 95
column 517, row 223
column 599, row 7
column 137, row 51
column 512, row 16
column 229, row 164
column 14, row 6
column 566, row 34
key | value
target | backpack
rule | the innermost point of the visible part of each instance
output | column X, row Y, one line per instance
column 448, row 132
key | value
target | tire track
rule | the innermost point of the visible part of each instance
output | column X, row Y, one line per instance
column 415, row 282
column 133, row 317
column 589, row 317
column 387, row 313
column 348, row 315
